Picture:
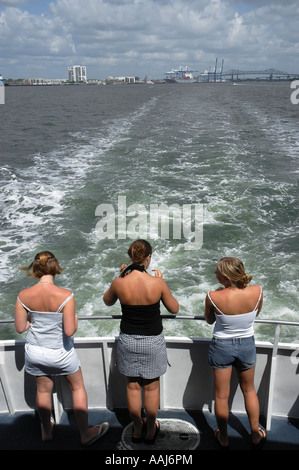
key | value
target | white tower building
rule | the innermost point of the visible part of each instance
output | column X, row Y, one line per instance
column 77, row 73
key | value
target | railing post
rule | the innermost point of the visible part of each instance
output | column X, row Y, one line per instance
column 106, row 366
column 57, row 400
column 162, row 390
column 5, row 387
column 272, row 377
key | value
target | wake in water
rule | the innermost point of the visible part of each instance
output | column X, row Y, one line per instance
column 223, row 152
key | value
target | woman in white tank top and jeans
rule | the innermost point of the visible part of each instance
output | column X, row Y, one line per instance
column 234, row 308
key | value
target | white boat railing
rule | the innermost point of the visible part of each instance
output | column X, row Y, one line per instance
column 188, row 383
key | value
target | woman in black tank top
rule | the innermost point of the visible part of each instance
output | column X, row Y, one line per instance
column 141, row 349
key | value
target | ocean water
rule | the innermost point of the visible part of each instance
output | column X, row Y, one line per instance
column 80, row 164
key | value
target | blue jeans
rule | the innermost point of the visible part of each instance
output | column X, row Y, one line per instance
column 240, row 352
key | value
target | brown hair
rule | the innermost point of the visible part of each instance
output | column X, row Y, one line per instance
column 139, row 250
column 234, row 270
column 44, row 263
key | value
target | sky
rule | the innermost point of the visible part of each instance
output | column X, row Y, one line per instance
column 41, row 38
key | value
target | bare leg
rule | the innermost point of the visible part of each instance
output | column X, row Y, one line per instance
column 81, row 408
column 246, row 380
column 151, row 404
column 134, row 399
column 44, row 405
column 222, row 379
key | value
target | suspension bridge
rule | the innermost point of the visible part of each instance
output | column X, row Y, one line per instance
column 272, row 74
column 235, row 74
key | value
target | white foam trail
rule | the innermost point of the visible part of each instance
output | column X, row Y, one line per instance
column 173, row 159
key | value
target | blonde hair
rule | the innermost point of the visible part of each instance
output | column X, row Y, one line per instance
column 44, row 263
column 139, row 250
column 233, row 269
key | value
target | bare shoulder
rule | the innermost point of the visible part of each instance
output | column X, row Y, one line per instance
column 159, row 281
column 117, row 284
column 217, row 293
column 254, row 289
column 25, row 293
column 117, row 281
column 66, row 291
column 255, row 286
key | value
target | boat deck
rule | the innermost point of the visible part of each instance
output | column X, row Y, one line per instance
column 21, row 431
column 187, row 385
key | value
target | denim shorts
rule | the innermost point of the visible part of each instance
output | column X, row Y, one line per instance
column 238, row 352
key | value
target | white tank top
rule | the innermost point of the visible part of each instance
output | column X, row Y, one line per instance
column 47, row 328
column 234, row 326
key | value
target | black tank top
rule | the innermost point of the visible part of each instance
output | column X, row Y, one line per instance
column 140, row 319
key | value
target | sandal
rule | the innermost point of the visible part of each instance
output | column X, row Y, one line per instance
column 103, row 428
column 216, row 433
column 47, row 436
column 260, row 444
column 153, row 439
column 138, row 440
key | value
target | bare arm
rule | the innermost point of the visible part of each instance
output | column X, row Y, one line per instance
column 168, row 300
column 260, row 304
column 209, row 311
column 110, row 296
column 70, row 319
column 22, row 322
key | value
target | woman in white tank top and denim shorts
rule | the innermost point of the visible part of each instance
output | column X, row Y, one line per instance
column 233, row 308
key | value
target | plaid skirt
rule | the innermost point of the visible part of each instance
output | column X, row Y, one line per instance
column 141, row 356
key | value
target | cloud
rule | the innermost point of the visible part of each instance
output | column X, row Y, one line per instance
column 29, row 38
column 12, row 3
column 138, row 37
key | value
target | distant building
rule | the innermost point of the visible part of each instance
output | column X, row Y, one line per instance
column 44, row 81
column 77, row 73
column 126, row 79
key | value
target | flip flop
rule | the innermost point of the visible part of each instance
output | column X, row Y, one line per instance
column 44, row 439
column 138, row 440
column 218, row 442
column 103, row 428
column 152, row 439
column 260, row 444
